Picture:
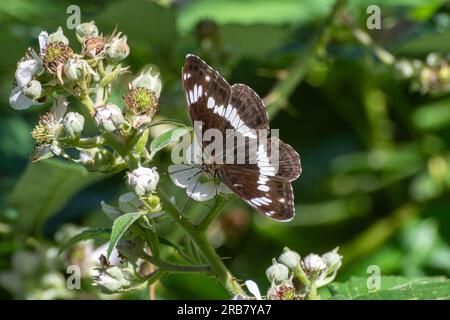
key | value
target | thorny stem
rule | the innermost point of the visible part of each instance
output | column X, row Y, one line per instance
column 213, row 213
column 167, row 266
column 216, row 264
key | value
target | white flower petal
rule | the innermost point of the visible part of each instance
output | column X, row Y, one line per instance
column 25, row 72
column 183, row 175
column 201, row 191
column 59, row 107
column 43, row 40
column 253, row 289
column 18, row 100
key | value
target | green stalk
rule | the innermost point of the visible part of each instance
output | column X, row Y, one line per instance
column 216, row 264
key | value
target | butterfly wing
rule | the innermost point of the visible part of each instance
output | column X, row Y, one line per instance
column 270, row 195
column 207, row 93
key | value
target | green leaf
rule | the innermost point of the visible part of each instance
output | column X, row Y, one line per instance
column 86, row 235
column 120, row 226
column 280, row 12
column 45, row 187
column 167, row 138
column 432, row 116
column 392, row 288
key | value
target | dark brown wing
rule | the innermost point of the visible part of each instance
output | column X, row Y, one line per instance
column 270, row 195
column 207, row 93
column 285, row 158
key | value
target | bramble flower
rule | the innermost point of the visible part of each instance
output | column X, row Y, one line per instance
column 284, row 291
column 109, row 117
column 142, row 97
column 48, row 129
column 199, row 185
column 143, row 181
column 118, row 48
column 55, row 50
column 149, row 80
column 73, row 124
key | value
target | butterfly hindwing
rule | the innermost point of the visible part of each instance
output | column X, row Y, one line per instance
column 270, row 195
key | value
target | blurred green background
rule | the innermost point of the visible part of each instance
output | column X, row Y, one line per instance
column 375, row 153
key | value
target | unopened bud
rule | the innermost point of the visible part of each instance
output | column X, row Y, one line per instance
column 313, row 263
column 289, row 258
column 33, row 90
column 73, row 124
column 109, row 117
column 143, row 180
column 277, row 272
column 86, row 29
column 118, row 48
column 333, row 260
column 73, row 69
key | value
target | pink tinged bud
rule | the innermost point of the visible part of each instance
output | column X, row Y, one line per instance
column 143, row 181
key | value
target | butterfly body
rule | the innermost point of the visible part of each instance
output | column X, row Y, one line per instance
column 262, row 167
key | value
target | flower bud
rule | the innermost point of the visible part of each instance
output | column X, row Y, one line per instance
column 93, row 46
column 73, row 124
column 112, row 279
column 33, row 90
column 333, row 260
column 289, row 258
column 109, row 117
column 86, row 29
column 143, row 180
column 149, row 80
column 404, row 68
column 118, row 49
column 73, row 69
column 433, row 59
column 313, row 263
column 277, row 272
column 58, row 36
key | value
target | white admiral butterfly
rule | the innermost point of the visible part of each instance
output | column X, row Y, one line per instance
column 217, row 105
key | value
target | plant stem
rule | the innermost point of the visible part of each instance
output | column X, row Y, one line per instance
column 215, row 262
column 212, row 215
column 167, row 266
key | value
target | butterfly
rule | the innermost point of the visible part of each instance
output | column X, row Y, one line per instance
column 237, row 109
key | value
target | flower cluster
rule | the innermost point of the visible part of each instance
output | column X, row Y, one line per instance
column 294, row 278
column 57, row 72
column 431, row 76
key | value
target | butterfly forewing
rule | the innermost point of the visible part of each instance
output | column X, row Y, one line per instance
column 207, row 93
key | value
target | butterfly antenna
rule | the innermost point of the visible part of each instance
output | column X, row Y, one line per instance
column 190, row 195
